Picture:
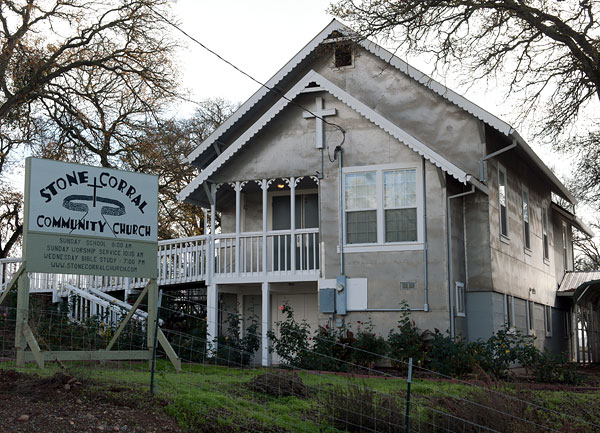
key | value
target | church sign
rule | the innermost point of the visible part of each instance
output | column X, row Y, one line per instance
column 89, row 220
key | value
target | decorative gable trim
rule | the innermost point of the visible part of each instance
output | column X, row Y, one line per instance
column 264, row 90
column 403, row 67
column 385, row 124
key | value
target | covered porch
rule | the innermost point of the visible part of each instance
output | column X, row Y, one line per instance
column 584, row 290
column 263, row 233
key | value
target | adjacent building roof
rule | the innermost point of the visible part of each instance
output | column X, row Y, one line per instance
column 572, row 280
column 205, row 154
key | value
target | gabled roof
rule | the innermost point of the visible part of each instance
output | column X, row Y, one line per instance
column 325, row 85
column 574, row 219
column 252, row 107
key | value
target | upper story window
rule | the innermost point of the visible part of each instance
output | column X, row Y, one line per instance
column 400, row 204
column 502, row 201
column 381, row 205
column 564, row 247
column 545, row 243
column 526, row 226
column 361, row 207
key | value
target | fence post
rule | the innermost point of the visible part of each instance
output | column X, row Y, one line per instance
column 408, row 381
column 155, row 342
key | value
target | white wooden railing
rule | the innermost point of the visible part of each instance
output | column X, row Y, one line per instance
column 186, row 260
column 85, row 305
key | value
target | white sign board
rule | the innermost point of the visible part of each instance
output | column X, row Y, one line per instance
column 90, row 220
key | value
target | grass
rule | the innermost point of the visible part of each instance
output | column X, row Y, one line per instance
column 210, row 394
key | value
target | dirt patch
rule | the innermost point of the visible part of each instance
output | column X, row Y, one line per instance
column 63, row 403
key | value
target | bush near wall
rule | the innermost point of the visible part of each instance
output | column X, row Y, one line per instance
column 341, row 350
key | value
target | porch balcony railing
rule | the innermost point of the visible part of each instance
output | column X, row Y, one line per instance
column 280, row 253
column 271, row 250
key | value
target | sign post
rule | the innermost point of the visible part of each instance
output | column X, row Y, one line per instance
column 80, row 219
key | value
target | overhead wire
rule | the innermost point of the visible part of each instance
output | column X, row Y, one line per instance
column 248, row 75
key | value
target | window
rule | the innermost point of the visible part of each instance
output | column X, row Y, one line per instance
column 509, row 318
column 407, row 285
column 381, row 206
column 460, row 299
column 342, row 55
column 545, row 232
column 548, row 320
column 361, row 207
column 530, row 316
column 400, row 203
column 564, row 247
column 526, row 229
column 502, row 198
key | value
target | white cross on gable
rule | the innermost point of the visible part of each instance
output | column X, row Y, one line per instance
column 318, row 114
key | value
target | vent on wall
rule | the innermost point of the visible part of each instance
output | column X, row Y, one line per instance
column 406, row 285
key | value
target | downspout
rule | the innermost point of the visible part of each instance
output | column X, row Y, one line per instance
column 449, row 258
column 425, row 268
column 340, row 152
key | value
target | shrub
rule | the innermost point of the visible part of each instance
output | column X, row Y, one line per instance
column 331, row 350
column 358, row 409
column 368, row 347
column 235, row 350
column 279, row 383
column 506, row 347
column 550, row 368
column 406, row 342
column 452, row 357
column 292, row 343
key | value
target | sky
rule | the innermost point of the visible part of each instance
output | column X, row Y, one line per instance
column 260, row 36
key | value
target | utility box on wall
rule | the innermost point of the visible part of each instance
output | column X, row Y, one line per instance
column 327, row 301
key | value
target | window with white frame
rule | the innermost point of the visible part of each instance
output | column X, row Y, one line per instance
column 502, row 201
column 400, row 205
column 381, row 205
column 361, row 207
column 545, row 243
column 564, row 247
column 509, row 318
column 460, row 299
column 548, row 320
column 530, row 316
column 526, row 226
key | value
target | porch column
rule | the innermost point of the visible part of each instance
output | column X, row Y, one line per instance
column 293, row 224
column 238, row 214
column 265, row 187
column 266, row 324
column 210, row 263
column 212, row 316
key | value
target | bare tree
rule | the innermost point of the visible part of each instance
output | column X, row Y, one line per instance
column 548, row 50
column 78, row 78
column 162, row 151
column 11, row 221
column 587, row 250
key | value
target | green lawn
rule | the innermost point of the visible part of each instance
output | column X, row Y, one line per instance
column 205, row 393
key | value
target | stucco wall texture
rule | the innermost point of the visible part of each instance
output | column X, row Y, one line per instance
column 286, row 147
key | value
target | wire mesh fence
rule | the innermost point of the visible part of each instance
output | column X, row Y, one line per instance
column 222, row 382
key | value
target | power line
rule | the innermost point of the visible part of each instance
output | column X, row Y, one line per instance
column 270, row 89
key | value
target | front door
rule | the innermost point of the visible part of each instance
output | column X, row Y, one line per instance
column 307, row 216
